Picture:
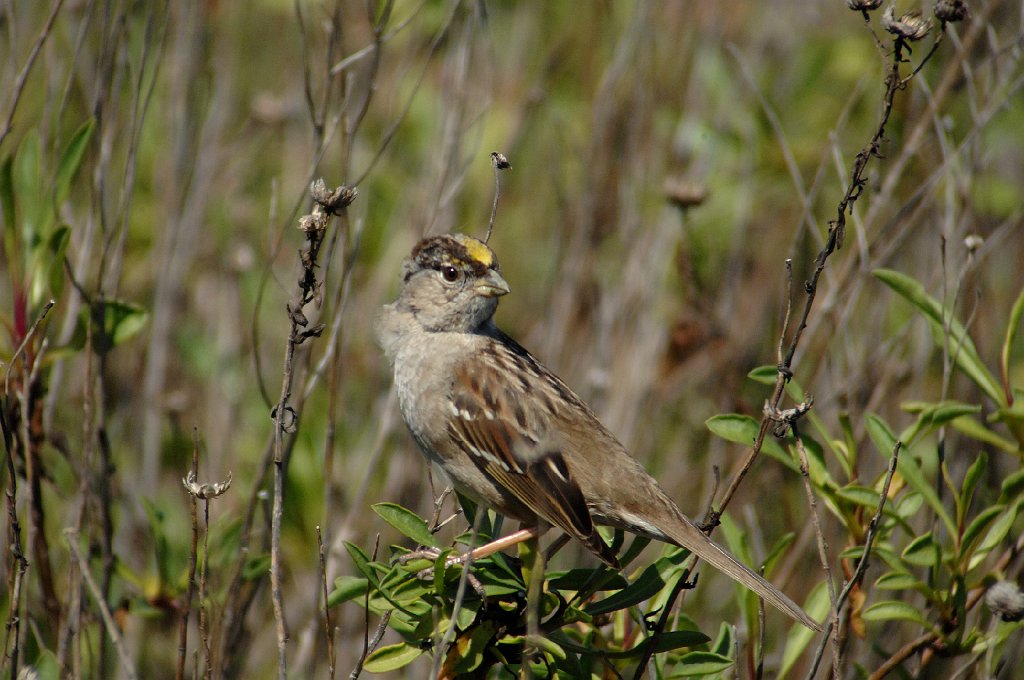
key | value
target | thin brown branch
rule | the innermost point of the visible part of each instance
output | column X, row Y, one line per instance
column 284, row 415
column 862, row 564
column 186, row 604
column 328, row 626
column 20, row 563
column 812, row 504
column 834, row 241
column 127, row 665
column 22, row 80
column 367, row 645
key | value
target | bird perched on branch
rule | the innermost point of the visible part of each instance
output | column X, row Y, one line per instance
column 508, row 432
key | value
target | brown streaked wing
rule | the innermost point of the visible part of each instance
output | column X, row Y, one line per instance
column 507, row 440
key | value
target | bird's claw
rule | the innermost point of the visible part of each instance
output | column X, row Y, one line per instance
column 432, row 554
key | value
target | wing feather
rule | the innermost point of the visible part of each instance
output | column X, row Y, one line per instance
column 513, row 444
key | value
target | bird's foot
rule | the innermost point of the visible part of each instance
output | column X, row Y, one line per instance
column 432, row 554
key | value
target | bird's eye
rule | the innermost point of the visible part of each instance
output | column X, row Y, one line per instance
column 450, row 274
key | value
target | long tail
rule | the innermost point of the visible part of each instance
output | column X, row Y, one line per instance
column 693, row 539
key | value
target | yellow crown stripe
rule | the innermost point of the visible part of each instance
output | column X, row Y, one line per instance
column 477, row 250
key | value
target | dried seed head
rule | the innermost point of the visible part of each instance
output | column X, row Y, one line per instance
column 205, row 491
column 973, row 242
column 332, row 200
column 1006, row 601
column 863, row 5
column 684, row 193
column 910, row 26
column 951, row 11
column 500, row 161
column 316, row 221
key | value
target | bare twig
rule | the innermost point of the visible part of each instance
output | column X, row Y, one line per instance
column 837, row 229
column 460, row 593
column 127, row 665
column 684, row 582
column 19, row 84
column 500, row 163
column 186, row 605
column 24, row 344
column 862, row 564
column 285, row 418
column 20, row 562
column 328, row 626
column 371, row 644
column 367, row 645
column 205, row 492
column 805, row 473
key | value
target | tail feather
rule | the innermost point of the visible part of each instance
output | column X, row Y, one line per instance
column 687, row 535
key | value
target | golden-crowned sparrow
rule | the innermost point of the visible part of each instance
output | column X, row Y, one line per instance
column 508, row 432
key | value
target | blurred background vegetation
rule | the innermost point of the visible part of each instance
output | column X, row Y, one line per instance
column 667, row 158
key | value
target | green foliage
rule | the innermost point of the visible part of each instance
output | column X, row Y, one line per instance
column 151, row 172
column 31, row 201
column 933, row 569
column 945, row 328
column 487, row 627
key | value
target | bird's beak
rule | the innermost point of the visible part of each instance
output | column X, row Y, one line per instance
column 492, row 285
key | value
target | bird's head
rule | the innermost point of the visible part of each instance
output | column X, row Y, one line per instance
column 451, row 283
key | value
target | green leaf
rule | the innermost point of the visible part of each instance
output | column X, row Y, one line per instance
column 694, row 664
column 347, row 588
column 899, row 580
column 407, row 522
column 391, row 657
column 880, row 433
column 45, row 667
column 923, row 551
column 908, row 468
column 645, row 587
column 71, row 160
column 256, row 567
column 977, row 525
column 725, row 641
column 1012, row 486
column 766, row 375
column 914, row 476
column 663, row 643
column 879, row 550
column 974, row 429
column 932, row 416
column 743, row 430
column 778, row 550
column 158, row 532
column 859, row 495
column 7, row 202
column 909, row 504
column 816, row 466
column 113, row 322
column 894, row 610
column 469, row 648
column 677, row 639
column 961, row 346
column 28, row 183
column 970, row 482
column 57, row 245
column 577, row 579
column 1012, row 326
column 362, row 562
column 818, row 607
column 122, row 320
column 996, row 535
